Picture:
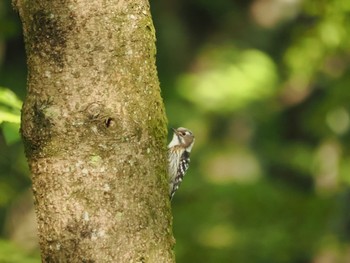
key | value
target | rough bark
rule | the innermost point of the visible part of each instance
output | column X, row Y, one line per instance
column 94, row 129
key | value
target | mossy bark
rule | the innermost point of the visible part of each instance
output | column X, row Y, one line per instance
column 94, row 129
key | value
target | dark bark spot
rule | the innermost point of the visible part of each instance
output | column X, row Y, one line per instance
column 49, row 36
column 81, row 229
column 41, row 128
column 48, row 258
column 109, row 122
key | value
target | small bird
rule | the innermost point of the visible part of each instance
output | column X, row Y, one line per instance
column 179, row 150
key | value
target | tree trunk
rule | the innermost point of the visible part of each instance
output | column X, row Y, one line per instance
column 94, row 129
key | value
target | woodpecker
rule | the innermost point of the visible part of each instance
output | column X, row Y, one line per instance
column 179, row 150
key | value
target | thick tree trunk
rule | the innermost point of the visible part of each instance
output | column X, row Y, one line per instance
column 94, row 128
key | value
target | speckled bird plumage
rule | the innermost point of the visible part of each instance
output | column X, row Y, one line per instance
column 179, row 157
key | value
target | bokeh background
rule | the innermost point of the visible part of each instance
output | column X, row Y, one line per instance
column 265, row 87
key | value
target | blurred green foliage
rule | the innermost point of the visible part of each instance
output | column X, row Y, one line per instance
column 264, row 86
column 10, row 115
column 9, row 253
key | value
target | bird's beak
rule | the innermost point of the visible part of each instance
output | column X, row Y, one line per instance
column 175, row 131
